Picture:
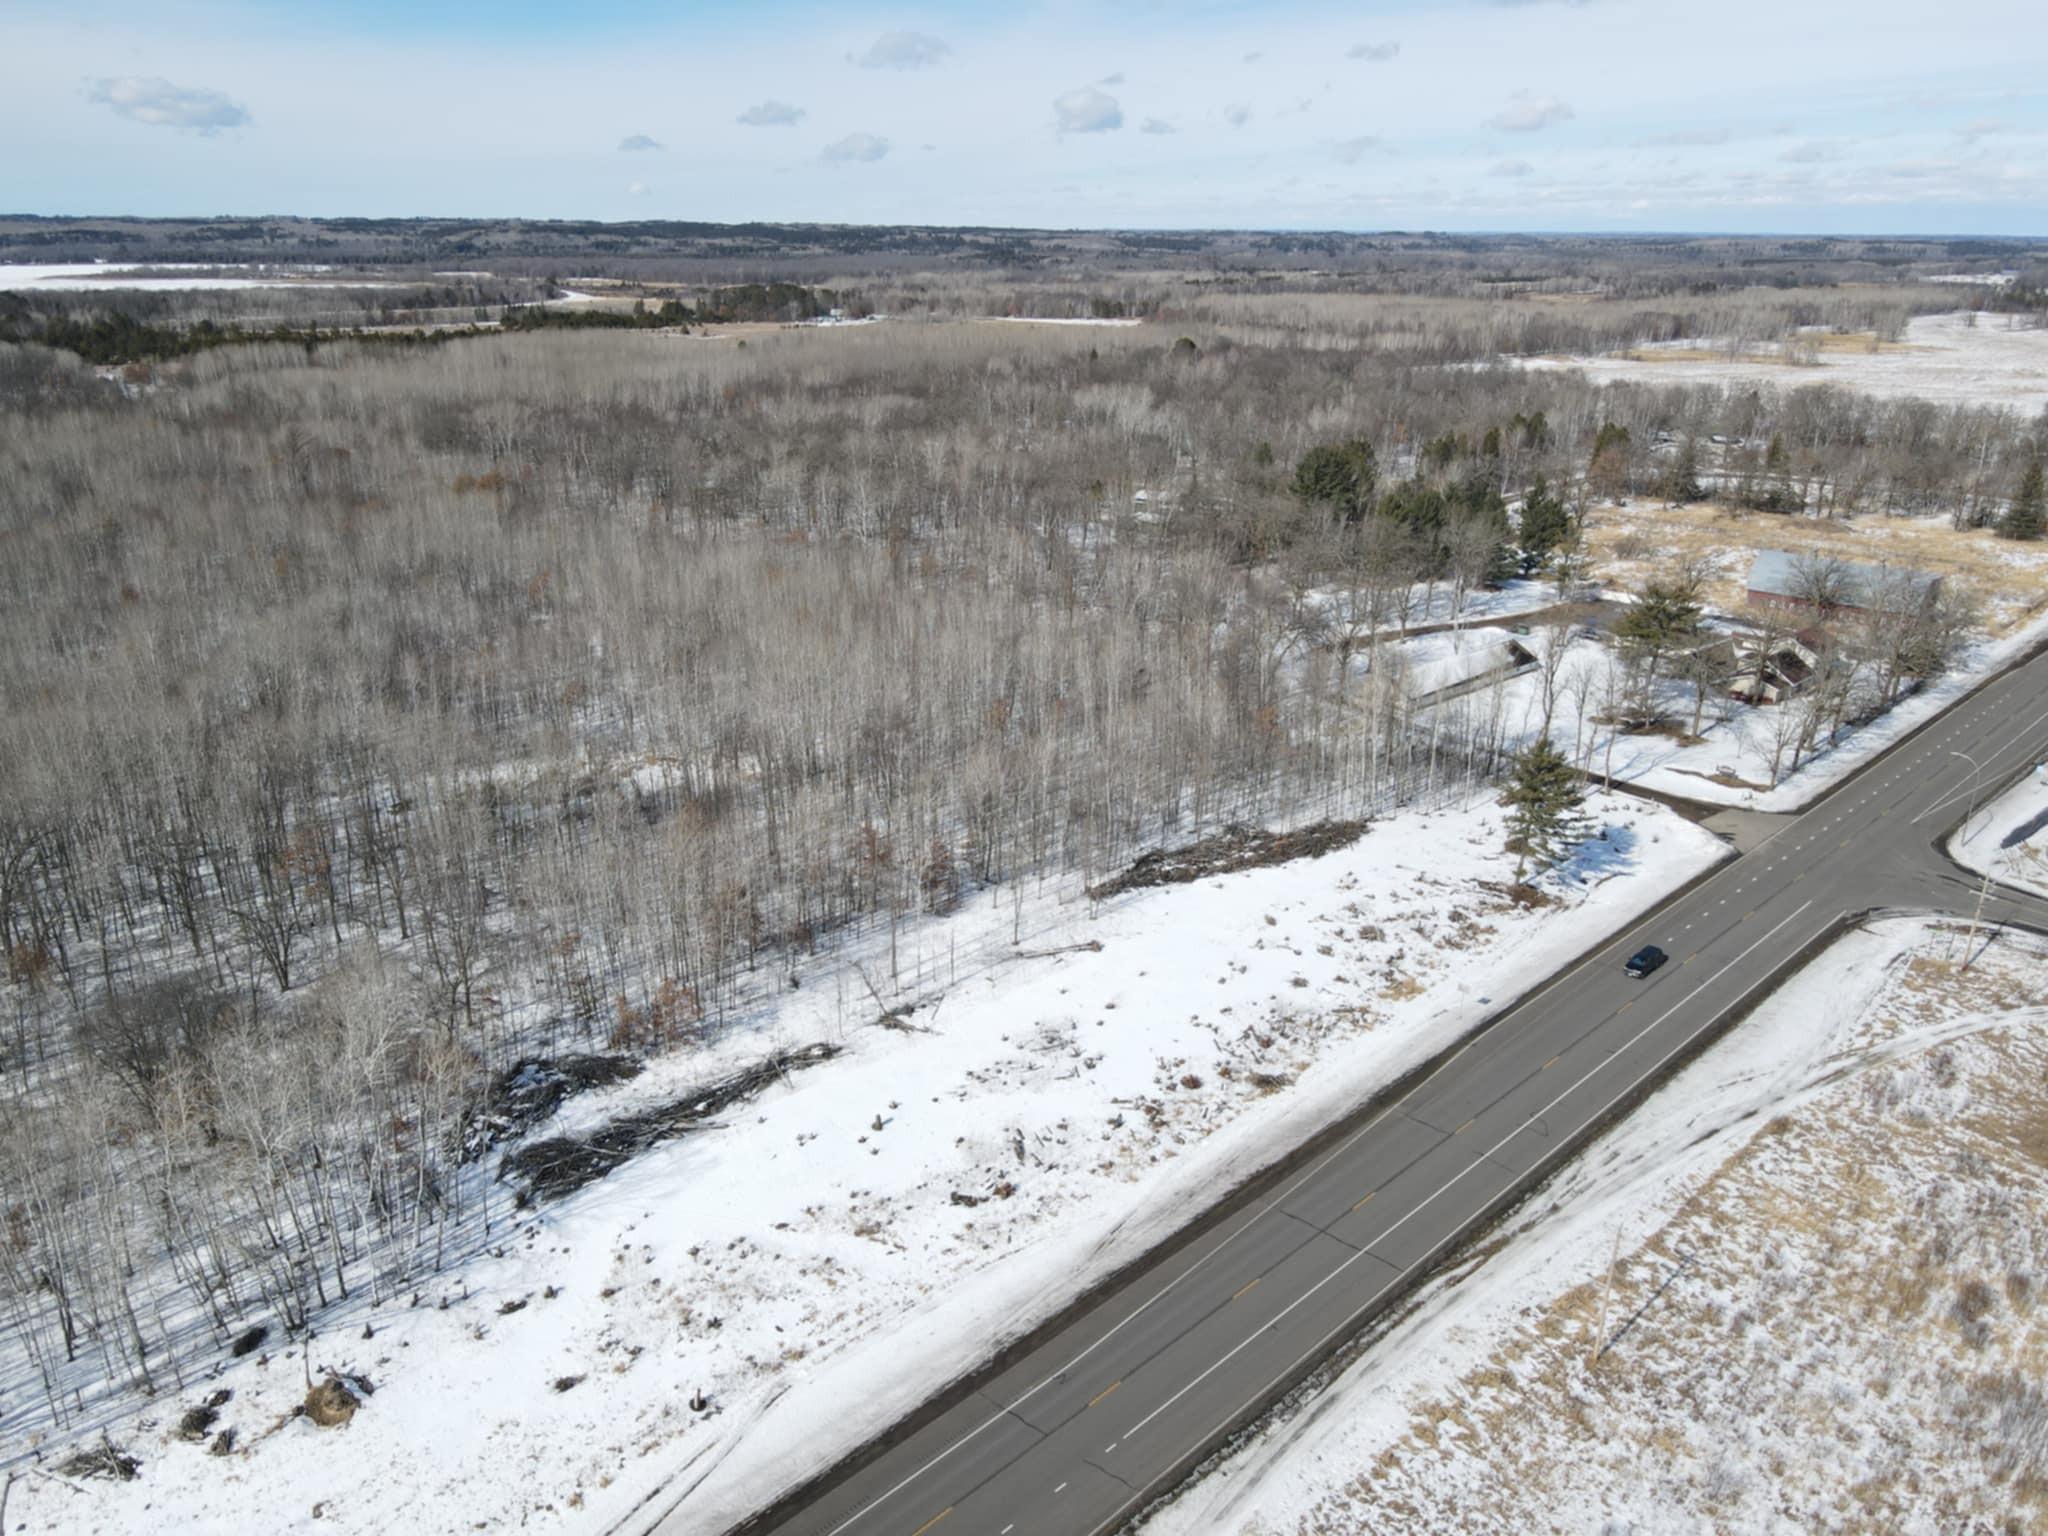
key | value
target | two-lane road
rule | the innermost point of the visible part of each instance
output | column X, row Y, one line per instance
column 1115, row 1408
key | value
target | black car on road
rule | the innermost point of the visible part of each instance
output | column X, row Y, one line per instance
column 1645, row 960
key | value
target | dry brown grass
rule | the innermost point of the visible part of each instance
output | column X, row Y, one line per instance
column 1856, row 1244
column 1629, row 544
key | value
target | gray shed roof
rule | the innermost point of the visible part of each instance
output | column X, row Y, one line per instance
column 1779, row 573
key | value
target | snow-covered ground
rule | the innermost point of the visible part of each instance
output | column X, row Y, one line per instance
column 1956, row 359
column 2008, row 838
column 840, row 1246
column 1826, row 1262
column 87, row 277
column 1730, row 764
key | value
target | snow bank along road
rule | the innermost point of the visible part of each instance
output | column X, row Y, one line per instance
column 1113, row 1410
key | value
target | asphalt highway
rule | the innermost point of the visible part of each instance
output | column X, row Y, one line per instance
column 1115, row 1409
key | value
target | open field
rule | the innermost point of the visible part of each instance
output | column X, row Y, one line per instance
column 1824, row 1312
column 1959, row 358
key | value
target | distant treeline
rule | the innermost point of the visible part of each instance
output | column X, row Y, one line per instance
column 112, row 337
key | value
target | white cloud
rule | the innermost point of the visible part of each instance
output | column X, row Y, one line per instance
column 161, row 104
column 1237, row 114
column 1351, row 151
column 1115, row 79
column 1373, row 53
column 638, row 141
column 1983, row 128
column 1087, row 110
column 1812, row 153
column 857, row 146
column 636, row 189
column 1526, row 113
column 1157, row 125
column 771, row 114
column 1511, row 168
column 903, row 50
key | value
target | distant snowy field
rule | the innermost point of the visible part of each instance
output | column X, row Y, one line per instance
column 87, row 277
column 1946, row 359
column 808, row 1264
column 1824, row 1311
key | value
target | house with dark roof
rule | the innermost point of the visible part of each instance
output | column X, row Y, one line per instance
column 1824, row 585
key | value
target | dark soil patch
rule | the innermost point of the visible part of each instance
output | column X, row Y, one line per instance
column 527, row 1092
column 1236, row 847
column 563, row 1164
column 249, row 1341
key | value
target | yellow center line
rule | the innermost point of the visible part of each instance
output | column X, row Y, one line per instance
column 1692, row 957
column 1245, row 1287
column 1749, row 914
column 935, row 1519
column 1362, row 1202
column 1544, row 1068
column 1098, row 1397
column 1461, row 1130
column 1624, row 1008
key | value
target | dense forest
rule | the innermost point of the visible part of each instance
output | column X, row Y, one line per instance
column 382, row 716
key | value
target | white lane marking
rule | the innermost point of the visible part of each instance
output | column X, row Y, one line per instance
column 1061, row 1489
column 1970, row 776
column 1416, row 1210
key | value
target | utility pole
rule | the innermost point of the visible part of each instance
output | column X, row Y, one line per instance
column 1606, row 1293
column 1970, row 939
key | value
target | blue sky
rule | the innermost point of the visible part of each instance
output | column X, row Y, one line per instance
column 1742, row 115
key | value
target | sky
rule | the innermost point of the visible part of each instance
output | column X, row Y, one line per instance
column 1818, row 116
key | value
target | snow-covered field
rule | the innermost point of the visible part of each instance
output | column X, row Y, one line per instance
column 1827, row 1263
column 2008, row 837
column 829, row 1254
column 87, row 277
column 1955, row 359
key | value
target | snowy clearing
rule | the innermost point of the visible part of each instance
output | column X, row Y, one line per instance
column 828, row 1254
column 87, row 277
column 1956, row 359
column 1824, row 1309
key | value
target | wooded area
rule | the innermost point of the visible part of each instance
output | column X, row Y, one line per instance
column 380, row 717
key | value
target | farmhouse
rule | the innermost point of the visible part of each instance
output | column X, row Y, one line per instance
column 1770, row 671
column 1824, row 585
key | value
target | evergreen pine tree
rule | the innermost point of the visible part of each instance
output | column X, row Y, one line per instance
column 1543, row 525
column 1544, row 798
column 1682, row 480
column 2025, row 518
